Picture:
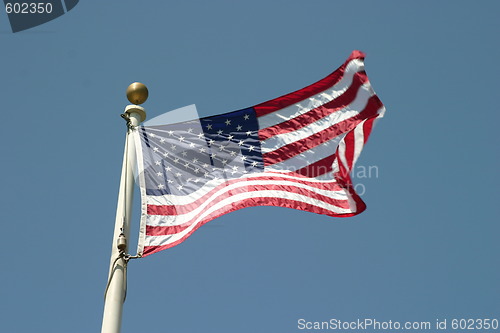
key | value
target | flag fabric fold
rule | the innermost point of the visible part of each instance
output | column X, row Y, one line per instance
column 294, row 151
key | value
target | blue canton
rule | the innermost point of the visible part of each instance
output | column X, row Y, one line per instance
column 180, row 158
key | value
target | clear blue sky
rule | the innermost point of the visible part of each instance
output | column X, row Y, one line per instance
column 426, row 248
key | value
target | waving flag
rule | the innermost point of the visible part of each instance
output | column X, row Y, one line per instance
column 295, row 151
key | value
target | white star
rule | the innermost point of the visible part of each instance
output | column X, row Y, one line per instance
column 200, row 135
column 220, row 132
column 178, row 174
column 195, row 160
column 206, row 174
column 235, row 168
column 170, row 181
column 209, row 126
column 155, row 149
column 170, row 133
column 158, row 163
column 246, row 117
column 202, row 150
column 232, row 153
column 254, row 163
column 162, row 140
column 168, row 168
column 229, row 138
column 191, row 145
column 180, row 187
column 213, row 155
column 165, row 154
column 184, row 153
column 159, row 174
column 152, row 135
column 228, row 122
column 160, row 186
column 173, row 147
column 196, row 180
column 241, row 142
column 205, row 165
column 186, row 165
column 176, row 160
column 181, row 138
column 243, row 157
column 197, row 170
column 251, row 148
column 224, row 162
column 249, row 133
column 239, row 127
column 211, row 142
column 190, row 130
column 221, row 148
column 300, row 106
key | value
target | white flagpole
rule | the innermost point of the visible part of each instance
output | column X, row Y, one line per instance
column 116, row 287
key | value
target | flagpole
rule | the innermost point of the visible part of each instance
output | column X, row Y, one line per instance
column 116, row 288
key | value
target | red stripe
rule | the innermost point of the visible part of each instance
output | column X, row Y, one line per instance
column 344, row 172
column 295, row 148
column 360, row 205
column 289, row 203
column 184, row 209
column 318, row 113
column 313, row 89
column 349, row 141
column 270, row 176
column 318, row 168
column 367, row 128
column 252, row 202
column 324, row 166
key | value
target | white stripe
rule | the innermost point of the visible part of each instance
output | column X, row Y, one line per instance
column 226, row 191
column 308, row 157
column 359, row 138
column 341, row 154
column 292, row 111
column 227, row 202
column 142, row 188
column 381, row 113
column 167, row 199
column 358, row 148
column 353, row 109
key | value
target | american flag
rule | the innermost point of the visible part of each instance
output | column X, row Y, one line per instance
column 295, row 151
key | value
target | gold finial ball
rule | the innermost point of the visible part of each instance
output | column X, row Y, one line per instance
column 137, row 93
